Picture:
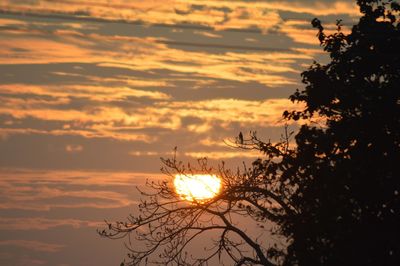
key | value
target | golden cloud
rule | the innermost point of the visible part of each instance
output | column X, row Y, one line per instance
column 221, row 155
column 317, row 9
column 182, row 11
column 94, row 93
column 148, row 54
column 264, row 113
column 107, row 121
column 300, row 31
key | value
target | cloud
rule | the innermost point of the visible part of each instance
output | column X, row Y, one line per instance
column 46, row 198
column 209, row 142
column 40, row 223
column 296, row 30
column 24, row 2
column 207, row 34
column 105, row 131
column 267, row 113
column 249, row 17
column 148, row 54
column 45, row 190
column 41, row 50
column 32, row 245
column 107, row 122
column 301, row 32
column 317, row 8
column 169, row 12
column 62, row 94
column 70, row 177
column 11, row 21
column 73, row 148
column 226, row 14
column 221, row 155
column 150, row 153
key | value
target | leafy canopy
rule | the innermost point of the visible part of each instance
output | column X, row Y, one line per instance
column 347, row 171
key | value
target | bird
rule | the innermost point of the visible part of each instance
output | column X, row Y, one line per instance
column 240, row 138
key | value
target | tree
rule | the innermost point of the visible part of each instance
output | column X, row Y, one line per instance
column 347, row 171
column 334, row 197
column 167, row 224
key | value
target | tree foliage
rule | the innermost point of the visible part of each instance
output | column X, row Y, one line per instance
column 347, row 171
column 334, row 197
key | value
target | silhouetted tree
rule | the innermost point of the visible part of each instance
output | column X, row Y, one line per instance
column 347, row 171
column 334, row 196
column 167, row 224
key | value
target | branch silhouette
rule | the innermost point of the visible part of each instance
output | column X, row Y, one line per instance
column 168, row 224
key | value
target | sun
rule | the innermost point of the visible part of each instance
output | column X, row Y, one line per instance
column 197, row 187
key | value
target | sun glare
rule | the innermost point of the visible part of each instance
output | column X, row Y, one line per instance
column 197, row 187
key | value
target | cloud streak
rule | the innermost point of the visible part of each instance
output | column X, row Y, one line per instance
column 32, row 245
column 41, row 191
column 40, row 223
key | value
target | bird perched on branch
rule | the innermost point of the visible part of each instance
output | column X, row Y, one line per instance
column 240, row 138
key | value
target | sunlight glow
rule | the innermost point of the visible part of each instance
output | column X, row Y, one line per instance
column 197, row 187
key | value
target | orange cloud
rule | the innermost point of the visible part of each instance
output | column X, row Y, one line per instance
column 106, row 121
column 148, row 54
column 301, row 32
column 94, row 93
column 221, row 155
column 86, row 133
column 317, row 8
column 182, row 11
column 264, row 113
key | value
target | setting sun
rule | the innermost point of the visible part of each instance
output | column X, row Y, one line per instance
column 197, row 187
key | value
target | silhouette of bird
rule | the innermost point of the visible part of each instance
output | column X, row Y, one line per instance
column 240, row 138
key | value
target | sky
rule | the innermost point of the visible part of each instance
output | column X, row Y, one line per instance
column 93, row 93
